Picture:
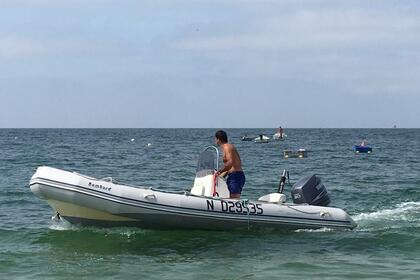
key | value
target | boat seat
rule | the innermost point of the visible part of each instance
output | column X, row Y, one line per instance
column 203, row 186
column 273, row 198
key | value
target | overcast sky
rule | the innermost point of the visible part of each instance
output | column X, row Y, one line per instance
column 209, row 63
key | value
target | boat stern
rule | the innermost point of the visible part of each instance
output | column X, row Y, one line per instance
column 344, row 218
column 352, row 223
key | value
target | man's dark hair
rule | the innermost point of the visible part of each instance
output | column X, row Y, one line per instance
column 222, row 136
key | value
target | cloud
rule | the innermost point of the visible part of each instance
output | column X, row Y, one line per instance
column 15, row 47
column 50, row 3
column 11, row 47
column 351, row 50
column 312, row 29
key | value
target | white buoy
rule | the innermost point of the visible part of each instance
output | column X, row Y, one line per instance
column 149, row 144
column 132, row 139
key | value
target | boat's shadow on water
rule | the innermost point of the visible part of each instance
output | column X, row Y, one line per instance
column 185, row 245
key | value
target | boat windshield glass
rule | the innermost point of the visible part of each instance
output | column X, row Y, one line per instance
column 207, row 162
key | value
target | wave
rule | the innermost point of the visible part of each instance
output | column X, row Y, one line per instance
column 324, row 229
column 406, row 214
column 63, row 225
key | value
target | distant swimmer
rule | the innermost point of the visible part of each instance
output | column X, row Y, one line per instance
column 232, row 165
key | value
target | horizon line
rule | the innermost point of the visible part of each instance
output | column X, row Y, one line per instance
column 216, row 128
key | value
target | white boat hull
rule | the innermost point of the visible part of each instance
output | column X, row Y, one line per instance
column 279, row 137
column 84, row 200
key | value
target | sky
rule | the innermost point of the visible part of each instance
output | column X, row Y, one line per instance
column 209, row 63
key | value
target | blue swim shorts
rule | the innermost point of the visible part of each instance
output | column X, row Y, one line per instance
column 235, row 182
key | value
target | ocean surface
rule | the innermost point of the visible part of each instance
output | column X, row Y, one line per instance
column 381, row 191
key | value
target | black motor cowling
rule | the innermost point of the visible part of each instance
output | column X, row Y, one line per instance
column 310, row 190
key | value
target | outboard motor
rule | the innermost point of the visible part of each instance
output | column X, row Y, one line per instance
column 310, row 190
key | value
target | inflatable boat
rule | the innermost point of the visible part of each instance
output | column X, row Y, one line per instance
column 279, row 137
column 85, row 200
column 246, row 138
column 362, row 149
column 262, row 139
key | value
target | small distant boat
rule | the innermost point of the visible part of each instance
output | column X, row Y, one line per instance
column 362, row 149
column 262, row 139
column 301, row 153
column 279, row 137
column 246, row 138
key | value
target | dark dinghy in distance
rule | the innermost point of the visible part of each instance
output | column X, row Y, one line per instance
column 84, row 200
column 246, row 138
column 362, row 149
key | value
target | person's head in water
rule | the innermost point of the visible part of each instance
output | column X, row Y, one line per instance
column 221, row 137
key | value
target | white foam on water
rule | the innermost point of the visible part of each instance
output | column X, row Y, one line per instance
column 127, row 232
column 315, row 230
column 401, row 211
column 61, row 224
column 406, row 214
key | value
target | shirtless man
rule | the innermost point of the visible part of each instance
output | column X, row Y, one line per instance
column 232, row 165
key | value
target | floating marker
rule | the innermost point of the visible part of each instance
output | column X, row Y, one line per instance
column 132, row 139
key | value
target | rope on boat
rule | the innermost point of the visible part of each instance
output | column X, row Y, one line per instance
column 322, row 213
column 215, row 177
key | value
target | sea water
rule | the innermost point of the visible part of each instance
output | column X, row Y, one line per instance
column 381, row 191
